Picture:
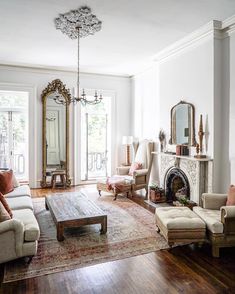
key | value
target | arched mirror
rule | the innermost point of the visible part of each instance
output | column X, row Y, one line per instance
column 55, row 135
column 182, row 124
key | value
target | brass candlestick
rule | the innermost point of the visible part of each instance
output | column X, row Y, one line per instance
column 200, row 135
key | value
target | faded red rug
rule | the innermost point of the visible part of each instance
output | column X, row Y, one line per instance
column 131, row 231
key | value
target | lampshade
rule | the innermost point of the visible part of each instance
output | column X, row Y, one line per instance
column 127, row 140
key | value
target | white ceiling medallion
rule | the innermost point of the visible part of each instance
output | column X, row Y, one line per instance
column 87, row 22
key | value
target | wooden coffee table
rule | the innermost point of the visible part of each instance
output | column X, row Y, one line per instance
column 74, row 210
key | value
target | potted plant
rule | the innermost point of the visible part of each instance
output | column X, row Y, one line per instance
column 156, row 193
column 184, row 201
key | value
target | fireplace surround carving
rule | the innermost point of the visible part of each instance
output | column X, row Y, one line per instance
column 199, row 172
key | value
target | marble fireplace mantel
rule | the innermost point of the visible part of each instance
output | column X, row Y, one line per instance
column 199, row 172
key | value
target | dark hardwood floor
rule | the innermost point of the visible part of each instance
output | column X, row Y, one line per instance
column 183, row 269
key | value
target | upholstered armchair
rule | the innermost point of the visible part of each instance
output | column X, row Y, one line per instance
column 144, row 156
column 219, row 219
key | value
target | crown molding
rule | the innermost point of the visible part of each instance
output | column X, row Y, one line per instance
column 50, row 69
column 203, row 32
column 228, row 22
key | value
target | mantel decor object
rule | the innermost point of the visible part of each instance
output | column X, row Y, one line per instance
column 78, row 24
column 162, row 139
column 199, row 148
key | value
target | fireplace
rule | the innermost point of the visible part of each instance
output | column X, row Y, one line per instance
column 176, row 183
column 192, row 175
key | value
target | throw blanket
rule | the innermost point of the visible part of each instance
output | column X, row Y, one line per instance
column 118, row 183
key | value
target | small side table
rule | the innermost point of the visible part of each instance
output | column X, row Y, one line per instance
column 62, row 175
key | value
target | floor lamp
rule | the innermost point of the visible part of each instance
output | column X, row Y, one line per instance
column 128, row 141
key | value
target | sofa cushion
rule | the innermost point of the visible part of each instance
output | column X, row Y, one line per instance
column 23, row 190
column 5, row 204
column 6, row 182
column 179, row 218
column 4, row 215
column 212, row 218
column 31, row 228
column 20, row 202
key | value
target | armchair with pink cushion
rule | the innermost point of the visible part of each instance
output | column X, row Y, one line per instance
column 143, row 157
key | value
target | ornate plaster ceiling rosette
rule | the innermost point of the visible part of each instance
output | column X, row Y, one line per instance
column 82, row 18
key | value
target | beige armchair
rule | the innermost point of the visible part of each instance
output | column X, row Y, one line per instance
column 219, row 219
column 143, row 155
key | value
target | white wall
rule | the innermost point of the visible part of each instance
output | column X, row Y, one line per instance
column 199, row 69
column 39, row 78
column 188, row 75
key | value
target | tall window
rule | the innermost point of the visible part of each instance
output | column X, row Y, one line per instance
column 14, row 132
column 96, row 140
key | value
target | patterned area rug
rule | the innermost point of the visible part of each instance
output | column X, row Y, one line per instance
column 131, row 232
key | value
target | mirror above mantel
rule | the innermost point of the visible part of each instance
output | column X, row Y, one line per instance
column 183, row 124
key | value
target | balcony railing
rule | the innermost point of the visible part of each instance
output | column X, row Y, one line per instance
column 97, row 164
column 18, row 163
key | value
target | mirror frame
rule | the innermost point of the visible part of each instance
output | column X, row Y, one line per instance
column 55, row 85
column 193, row 140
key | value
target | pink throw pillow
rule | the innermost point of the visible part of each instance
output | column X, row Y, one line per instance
column 6, row 182
column 231, row 196
column 134, row 166
column 4, row 215
column 5, row 204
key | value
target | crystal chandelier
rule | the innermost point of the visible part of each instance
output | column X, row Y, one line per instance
column 77, row 24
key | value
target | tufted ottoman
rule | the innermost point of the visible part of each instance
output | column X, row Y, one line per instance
column 116, row 189
column 179, row 225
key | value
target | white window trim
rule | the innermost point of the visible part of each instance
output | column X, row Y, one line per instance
column 32, row 119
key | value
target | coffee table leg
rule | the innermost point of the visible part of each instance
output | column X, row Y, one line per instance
column 60, row 232
column 104, row 226
column 47, row 208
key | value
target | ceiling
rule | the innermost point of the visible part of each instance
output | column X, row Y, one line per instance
column 133, row 31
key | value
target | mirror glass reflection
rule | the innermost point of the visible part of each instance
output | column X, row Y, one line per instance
column 55, row 134
column 182, row 124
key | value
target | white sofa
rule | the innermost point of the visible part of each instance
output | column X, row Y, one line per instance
column 19, row 235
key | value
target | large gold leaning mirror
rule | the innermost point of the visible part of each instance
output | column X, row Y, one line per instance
column 55, row 135
column 183, row 124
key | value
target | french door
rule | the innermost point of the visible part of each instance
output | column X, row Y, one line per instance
column 96, row 140
column 13, row 136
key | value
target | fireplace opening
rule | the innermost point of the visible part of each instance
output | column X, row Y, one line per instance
column 176, row 184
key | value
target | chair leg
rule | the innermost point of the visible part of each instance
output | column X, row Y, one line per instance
column 146, row 193
column 53, row 181
column 215, row 251
column 28, row 259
